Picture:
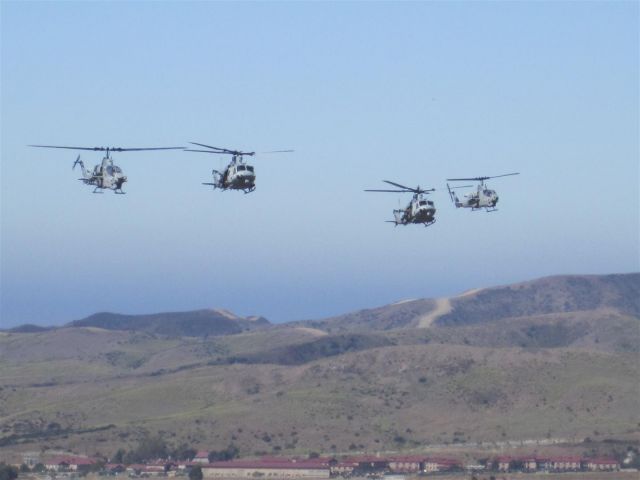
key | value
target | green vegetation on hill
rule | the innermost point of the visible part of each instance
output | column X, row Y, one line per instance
column 198, row 323
column 313, row 386
column 548, row 295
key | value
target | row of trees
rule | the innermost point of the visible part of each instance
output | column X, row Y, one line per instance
column 152, row 448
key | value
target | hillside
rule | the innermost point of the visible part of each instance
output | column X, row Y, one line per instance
column 619, row 294
column 551, row 358
column 189, row 324
column 560, row 294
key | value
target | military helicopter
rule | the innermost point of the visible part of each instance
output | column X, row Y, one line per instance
column 482, row 198
column 105, row 175
column 238, row 175
column 419, row 210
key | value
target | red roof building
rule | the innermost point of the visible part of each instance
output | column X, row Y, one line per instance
column 202, row 456
column 69, row 462
column 600, row 464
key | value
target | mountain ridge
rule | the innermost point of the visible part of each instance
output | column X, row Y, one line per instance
column 377, row 377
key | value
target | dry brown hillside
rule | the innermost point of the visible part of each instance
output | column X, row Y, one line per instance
column 369, row 381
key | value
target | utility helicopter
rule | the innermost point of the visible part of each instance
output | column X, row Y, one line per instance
column 482, row 198
column 238, row 175
column 419, row 210
column 105, row 175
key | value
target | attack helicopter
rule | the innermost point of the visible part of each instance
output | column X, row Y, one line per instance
column 238, row 175
column 482, row 198
column 418, row 211
column 105, row 175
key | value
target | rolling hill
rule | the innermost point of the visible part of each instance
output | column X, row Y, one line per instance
column 551, row 358
column 197, row 323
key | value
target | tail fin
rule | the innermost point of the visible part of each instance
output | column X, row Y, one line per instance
column 84, row 171
column 454, row 197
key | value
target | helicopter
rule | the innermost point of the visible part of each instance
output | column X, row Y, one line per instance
column 419, row 210
column 238, row 175
column 105, row 175
column 482, row 198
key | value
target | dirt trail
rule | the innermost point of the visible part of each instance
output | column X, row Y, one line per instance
column 443, row 306
column 313, row 331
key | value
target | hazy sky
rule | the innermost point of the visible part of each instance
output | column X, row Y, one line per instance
column 410, row 92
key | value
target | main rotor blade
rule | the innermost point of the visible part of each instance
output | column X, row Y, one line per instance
column 460, row 186
column 480, row 179
column 117, row 149
column 391, row 191
column 278, row 151
column 205, row 151
column 111, row 149
column 505, row 175
column 398, row 185
column 69, row 148
column 214, row 148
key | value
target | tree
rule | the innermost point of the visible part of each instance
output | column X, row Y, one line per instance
column 7, row 472
column 183, row 452
column 39, row 468
column 148, row 448
column 228, row 453
column 195, row 473
column 24, row 468
column 119, row 456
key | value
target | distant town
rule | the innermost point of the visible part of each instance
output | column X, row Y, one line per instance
column 204, row 464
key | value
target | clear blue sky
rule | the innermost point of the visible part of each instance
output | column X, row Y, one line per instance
column 411, row 92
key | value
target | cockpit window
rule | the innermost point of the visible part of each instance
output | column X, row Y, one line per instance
column 250, row 168
column 423, row 202
column 430, row 203
column 241, row 167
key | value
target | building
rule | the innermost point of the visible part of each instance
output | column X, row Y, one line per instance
column 440, row 464
column 565, row 464
column 502, row 464
column 529, row 464
column 600, row 464
column 272, row 469
column 202, row 456
column 69, row 463
column 344, row 468
column 406, row 464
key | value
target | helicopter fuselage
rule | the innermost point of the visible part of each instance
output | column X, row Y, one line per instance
column 482, row 198
column 237, row 176
column 105, row 176
column 419, row 211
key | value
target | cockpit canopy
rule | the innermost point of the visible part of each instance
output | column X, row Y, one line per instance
column 113, row 169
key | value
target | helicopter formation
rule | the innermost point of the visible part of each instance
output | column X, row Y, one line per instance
column 239, row 175
column 423, row 211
